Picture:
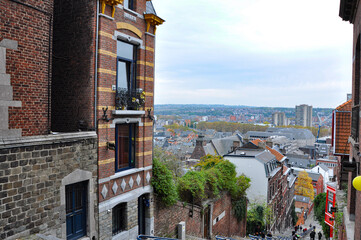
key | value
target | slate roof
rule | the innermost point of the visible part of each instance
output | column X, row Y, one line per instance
column 324, row 167
column 265, row 156
column 342, row 128
column 150, row 8
column 295, row 132
column 314, row 176
column 299, row 162
column 224, row 145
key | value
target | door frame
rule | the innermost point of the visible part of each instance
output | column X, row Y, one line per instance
column 75, row 177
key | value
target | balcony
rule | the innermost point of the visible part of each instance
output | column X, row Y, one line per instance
column 129, row 102
column 355, row 123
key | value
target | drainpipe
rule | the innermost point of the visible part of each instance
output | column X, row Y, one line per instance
column 96, row 94
column 96, row 68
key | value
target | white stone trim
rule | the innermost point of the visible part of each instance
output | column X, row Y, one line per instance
column 127, row 235
column 128, row 38
column 128, row 112
column 106, row 16
column 126, row 120
column 125, row 173
column 150, row 34
column 47, row 139
column 125, row 197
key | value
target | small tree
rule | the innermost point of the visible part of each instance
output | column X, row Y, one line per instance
column 319, row 212
column 304, row 185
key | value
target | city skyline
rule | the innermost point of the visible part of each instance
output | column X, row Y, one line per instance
column 257, row 53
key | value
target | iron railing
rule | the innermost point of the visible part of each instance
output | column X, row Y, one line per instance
column 129, row 100
column 145, row 237
column 355, row 123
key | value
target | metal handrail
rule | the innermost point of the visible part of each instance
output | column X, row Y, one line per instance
column 144, row 237
column 223, row 238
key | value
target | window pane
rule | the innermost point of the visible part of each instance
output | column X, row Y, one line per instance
column 125, row 50
column 119, row 218
column 123, row 73
column 132, row 142
column 123, row 146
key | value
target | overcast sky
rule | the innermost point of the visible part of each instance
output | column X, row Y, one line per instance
column 277, row 53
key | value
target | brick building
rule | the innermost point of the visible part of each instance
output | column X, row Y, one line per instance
column 76, row 103
column 40, row 173
column 351, row 11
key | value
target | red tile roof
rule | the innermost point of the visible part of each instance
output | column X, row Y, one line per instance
column 256, row 141
column 276, row 153
column 342, row 128
column 346, row 106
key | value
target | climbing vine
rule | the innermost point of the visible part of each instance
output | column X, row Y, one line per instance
column 239, row 208
column 214, row 175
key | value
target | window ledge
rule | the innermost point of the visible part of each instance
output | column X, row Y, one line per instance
column 128, row 112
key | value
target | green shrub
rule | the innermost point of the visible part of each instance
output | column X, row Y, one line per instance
column 191, row 187
column 163, row 183
column 215, row 175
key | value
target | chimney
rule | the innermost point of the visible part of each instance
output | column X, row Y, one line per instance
column 236, row 144
column 200, row 141
column 269, row 143
column 349, row 96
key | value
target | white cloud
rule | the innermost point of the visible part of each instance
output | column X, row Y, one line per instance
column 248, row 52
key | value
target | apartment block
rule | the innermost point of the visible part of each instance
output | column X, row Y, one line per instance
column 279, row 119
column 304, row 115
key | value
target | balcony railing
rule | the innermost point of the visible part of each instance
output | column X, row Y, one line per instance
column 129, row 100
column 355, row 123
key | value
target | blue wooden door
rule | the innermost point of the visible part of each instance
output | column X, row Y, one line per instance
column 76, row 210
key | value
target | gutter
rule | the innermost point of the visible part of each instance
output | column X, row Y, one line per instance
column 96, row 68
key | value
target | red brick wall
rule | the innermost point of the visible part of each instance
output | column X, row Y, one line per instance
column 228, row 225
column 166, row 219
column 28, row 65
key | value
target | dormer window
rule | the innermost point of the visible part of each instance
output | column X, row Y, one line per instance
column 130, row 4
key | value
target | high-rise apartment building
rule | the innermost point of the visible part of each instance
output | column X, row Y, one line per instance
column 304, row 115
column 279, row 119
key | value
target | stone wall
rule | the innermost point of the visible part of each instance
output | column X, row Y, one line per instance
column 33, row 172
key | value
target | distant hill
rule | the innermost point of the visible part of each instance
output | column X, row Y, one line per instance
column 226, row 110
